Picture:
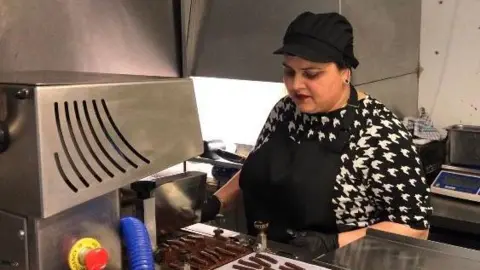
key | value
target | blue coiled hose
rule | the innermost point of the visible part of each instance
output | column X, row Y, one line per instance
column 139, row 248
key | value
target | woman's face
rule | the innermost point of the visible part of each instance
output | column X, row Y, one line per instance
column 315, row 87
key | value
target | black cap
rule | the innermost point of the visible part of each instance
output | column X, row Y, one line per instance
column 325, row 37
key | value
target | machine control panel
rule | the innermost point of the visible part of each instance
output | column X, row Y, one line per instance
column 87, row 254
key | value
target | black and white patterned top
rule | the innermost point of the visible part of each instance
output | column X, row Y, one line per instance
column 381, row 177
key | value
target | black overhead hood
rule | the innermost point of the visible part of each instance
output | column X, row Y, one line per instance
column 236, row 38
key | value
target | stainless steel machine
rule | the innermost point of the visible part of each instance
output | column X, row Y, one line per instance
column 68, row 143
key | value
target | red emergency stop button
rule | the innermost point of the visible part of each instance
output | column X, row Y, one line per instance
column 96, row 259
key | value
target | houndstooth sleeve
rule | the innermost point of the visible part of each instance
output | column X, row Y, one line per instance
column 395, row 174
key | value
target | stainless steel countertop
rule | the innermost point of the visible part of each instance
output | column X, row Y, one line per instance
column 380, row 250
column 456, row 215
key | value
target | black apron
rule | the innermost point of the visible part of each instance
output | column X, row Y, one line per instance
column 291, row 185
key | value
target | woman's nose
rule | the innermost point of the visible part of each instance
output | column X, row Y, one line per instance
column 298, row 82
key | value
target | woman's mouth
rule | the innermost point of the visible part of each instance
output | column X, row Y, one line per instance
column 301, row 97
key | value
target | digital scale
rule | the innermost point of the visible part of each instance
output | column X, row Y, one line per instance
column 457, row 182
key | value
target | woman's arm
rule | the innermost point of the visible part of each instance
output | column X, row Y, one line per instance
column 387, row 226
column 229, row 192
column 396, row 180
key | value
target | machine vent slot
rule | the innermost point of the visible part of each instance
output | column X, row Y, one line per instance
column 62, row 173
column 65, row 150
column 87, row 142
column 105, row 131
column 109, row 116
column 100, row 115
column 75, row 143
column 87, row 116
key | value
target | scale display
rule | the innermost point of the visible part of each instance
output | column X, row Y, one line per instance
column 457, row 185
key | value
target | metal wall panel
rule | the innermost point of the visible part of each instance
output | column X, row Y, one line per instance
column 238, row 37
column 112, row 36
column 399, row 94
column 387, row 37
column 13, row 248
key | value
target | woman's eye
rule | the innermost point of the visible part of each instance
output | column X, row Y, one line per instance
column 311, row 75
column 289, row 73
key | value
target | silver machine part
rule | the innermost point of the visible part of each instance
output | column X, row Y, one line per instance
column 75, row 140
column 174, row 204
column 178, row 201
column 464, row 145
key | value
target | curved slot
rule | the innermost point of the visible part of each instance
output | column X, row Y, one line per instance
column 87, row 143
column 64, row 146
column 75, row 143
column 62, row 173
column 104, row 104
column 104, row 129
column 95, row 137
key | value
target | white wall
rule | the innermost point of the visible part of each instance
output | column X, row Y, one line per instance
column 449, row 86
column 234, row 110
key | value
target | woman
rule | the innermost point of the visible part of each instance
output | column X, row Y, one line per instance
column 330, row 161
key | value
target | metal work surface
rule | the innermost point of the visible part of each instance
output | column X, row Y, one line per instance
column 379, row 251
column 455, row 214
column 73, row 143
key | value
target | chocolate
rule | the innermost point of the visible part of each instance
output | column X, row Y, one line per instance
column 233, row 247
column 209, row 256
column 188, row 241
column 294, row 266
column 198, row 260
column 257, row 260
column 225, row 252
column 175, row 266
column 201, row 252
column 176, row 242
column 266, row 258
column 195, row 237
column 213, row 252
column 241, row 267
column 175, row 247
column 250, row 264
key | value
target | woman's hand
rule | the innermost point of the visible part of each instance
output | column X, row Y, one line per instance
column 316, row 243
column 210, row 209
column 222, row 199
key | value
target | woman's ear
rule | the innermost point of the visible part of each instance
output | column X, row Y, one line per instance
column 346, row 75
